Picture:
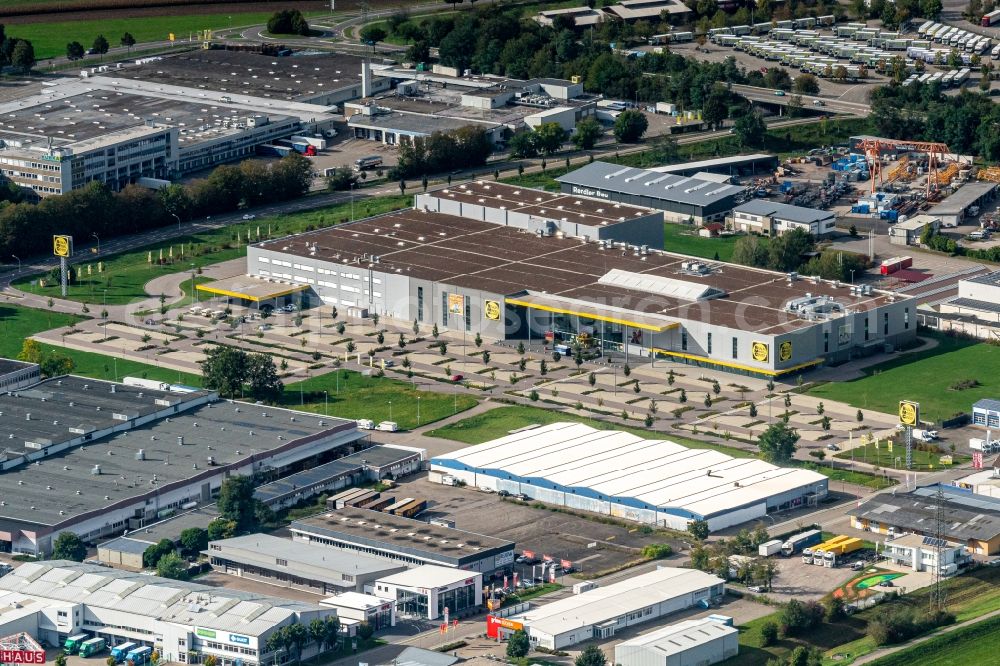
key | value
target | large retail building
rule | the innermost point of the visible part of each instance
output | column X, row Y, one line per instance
column 513, row 263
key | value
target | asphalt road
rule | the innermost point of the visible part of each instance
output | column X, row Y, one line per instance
column 825, row 104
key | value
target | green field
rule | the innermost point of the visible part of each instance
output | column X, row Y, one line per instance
column 684, row 238
column 18, row 322
column 50, row 39
column 125, row 275
column 883, row 457
column 968, row 645
column 363, row 397
column 926, row 377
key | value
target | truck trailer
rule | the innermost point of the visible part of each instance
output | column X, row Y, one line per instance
column 797, row 542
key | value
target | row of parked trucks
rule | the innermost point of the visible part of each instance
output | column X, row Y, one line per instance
column 949, row 35
column 85, row 646
column 829, row 552
column 407, row 507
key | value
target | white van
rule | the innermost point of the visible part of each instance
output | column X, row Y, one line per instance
column 388, row 426
column 366, row 424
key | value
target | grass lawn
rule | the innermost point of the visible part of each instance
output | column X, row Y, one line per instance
column 18, row 323
column 684, row 238
column 825, row 636
column 925, row 377
column 363, row 397
column 968, row 645
column 536, row 591
column 126, row 274
column 885, row 458
column 50, row 39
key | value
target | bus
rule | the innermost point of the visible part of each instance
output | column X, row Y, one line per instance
column 92, row 647
column 139, row 656
column 118, row 652
column 369, row 162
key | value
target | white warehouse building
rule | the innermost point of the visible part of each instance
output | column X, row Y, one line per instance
column 689, row 643
column 184, row 621
column 622, row 475
column 601, row 612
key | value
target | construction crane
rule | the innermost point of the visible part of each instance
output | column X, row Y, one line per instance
column 873, row 146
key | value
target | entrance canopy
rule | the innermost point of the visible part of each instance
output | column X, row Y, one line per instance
column 572, row 306
column 250, row 288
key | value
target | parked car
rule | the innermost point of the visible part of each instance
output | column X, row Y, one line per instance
column 291, row 307
column 264, row 327
column 757, row 589
column 832, row 447
column 387, row 426
column 249, row 216
column 457, row 378
column 818, row 102
column 504, row 493
column 886, row 583
column 388, row 363
column 366, row 424
column 779, row 93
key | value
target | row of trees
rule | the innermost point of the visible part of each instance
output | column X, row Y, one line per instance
column 463, row 148
column 235, row 373
column 52, row 363
column 790, row 252
column 16, row 52
column 75, row 50
column 295, row 637
column 27, row 229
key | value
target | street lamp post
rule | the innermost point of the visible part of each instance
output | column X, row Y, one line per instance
column 352, row 201
column 326, row 405
column 94, row 234
column 390, row 410
column 18, row 262
column 418, row 411
column 194, row 293
column 178, row 218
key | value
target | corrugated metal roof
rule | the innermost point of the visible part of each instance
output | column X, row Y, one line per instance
column 646, row 183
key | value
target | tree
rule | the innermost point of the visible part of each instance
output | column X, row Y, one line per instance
column 60, row 660
column 298, row 636
column 342, row 178
column 372, row 34
column 68, row 546
column 74, row 51
column 860, row 416
column 128, row 41
column 220, row 528
column 630, row 125
column 153, row 554
column 750, row 251
column 751, row 129
column 211, row 660
column 194, row 540
column 365, row 631
column 806, row 84
column 518, row 645
column 23, row 55
column 262, row 377
column 753, row 410
column 522, row 145
column 478, row 341
column 549, row 137
column 224, row 370
column 172, row 566
column 698, row 529
column 591, row 656
column 236, row 501
column 768, row 633
column 785, row 252
column 101, row 45
column 317, row 632
column 288, row 22
column 777, row 443
column 331, row 633
column 587, row 133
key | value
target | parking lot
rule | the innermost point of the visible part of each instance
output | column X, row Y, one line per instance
column 590, row 545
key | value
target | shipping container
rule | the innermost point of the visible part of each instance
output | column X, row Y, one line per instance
column 273, row 150
column 412, row 509
column 399, row 505
column 890, row 266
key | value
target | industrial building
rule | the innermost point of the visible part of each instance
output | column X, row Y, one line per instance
column 443, row 100
column 687, row 643
column 649, row 10
column 735, row 166
column 618, row 474
column 431, row 592
column 582, row 16
column 413, row 542
column 185, row 622
column 18, row 374
column 908, row 232
column 986, row 412
column 603, row 611
column 953, row 210
column 510, row 269
column 971, row 520
column 771, row 218
column 96, row 458
column 353, row 608
column 681, row 198
column 126, row 551
column 978, row 296
column 925, row 553
column 305, row 567
column 161, row 117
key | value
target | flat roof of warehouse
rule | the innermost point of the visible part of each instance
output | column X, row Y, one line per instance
column 506, row 260
column 415, row 122
column 8, row 366
column 646, row 183
column 60, row 582
column 677, row 638
column 713, row 163
column 263, row 549
column 290, row 78
column 62, row 485
column 353, row 523
column 971, row 516
column 615, row 465
column 542, row 204
column 961, row 199
column 617, row 599
column 783, row 211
